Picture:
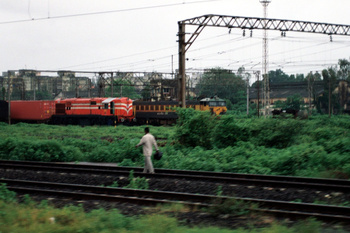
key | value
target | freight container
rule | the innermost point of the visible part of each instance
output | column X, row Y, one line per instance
column 32, row 110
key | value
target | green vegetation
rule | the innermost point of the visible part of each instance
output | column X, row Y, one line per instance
column 318, row 146
column 122, row 88
column 232, row 207
column 293, row 102
column 223, row 83
column 6, row 195
column 137, row 183
column 30, row 217
column 43, row 218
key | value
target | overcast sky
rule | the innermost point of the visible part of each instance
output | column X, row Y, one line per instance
column 140, row 35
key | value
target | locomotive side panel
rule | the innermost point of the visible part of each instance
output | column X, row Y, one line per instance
column 164, row 113
column 101, row 111
column 78, row 106
column 156, row 113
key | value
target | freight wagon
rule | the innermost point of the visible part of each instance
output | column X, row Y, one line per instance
column 79, row 111
column 39, row 111
column 103, row 111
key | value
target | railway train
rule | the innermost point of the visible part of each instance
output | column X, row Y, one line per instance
column 164, row 112
column 102, row 111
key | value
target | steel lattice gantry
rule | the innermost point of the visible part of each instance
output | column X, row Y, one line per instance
column 249, row 23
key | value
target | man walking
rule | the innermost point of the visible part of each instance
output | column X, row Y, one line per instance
column 148, row 141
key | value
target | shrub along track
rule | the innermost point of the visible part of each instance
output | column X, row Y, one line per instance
column 278, row 191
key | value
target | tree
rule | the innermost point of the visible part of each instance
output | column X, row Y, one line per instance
column 344, row 69
column 223, row 83
column 146, row 93
column 294, row 102
column 122, row 88
column 328, row 100
column 3, row 94
column 278, row 76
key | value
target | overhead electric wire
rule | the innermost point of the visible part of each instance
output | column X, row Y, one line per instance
column 145, row 61
column 215, row 53
column 136, row 54
column 117, row 58
column 157, row 66
column 308, row 54
column 105, row 12
column 278, row 53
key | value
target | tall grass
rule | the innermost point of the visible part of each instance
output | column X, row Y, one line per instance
column 317, row 147
column 34, row 218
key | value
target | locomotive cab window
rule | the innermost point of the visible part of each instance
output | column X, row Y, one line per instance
column 217, row 103
column 106, row 106
column 222, row 103
column 213, row 104
column 93, row 103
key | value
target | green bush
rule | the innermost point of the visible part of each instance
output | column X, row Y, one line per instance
column 100, row 154
column 318, row 146
column 228, row 132
column 194, row 128
column 46, row 151
column 278, row 133
column 6, row 195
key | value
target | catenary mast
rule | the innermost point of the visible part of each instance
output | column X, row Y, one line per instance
column 265, row 62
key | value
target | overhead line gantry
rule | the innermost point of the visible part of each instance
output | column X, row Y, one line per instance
column 249, row 23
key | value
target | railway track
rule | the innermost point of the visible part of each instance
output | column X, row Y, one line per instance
column 219, row 177
column 149, row 197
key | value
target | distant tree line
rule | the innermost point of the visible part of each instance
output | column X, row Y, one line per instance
column 233, row 86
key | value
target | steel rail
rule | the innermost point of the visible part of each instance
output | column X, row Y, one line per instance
column 147, row 197
column 233, row 178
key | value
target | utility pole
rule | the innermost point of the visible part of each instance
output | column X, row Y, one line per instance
column 9, row 90
column 310, row 83
column 266, row 82
column 172, row 66
column 257, row 73
column 247, row 94
column 182, row 68
column 34, row 82
column 112, row 84
column 89, row 86
column 76, row 87
column 329, row 97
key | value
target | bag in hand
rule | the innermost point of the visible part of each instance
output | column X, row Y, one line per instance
column 158, row 155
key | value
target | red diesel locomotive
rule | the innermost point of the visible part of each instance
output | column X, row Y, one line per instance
column 76, row 111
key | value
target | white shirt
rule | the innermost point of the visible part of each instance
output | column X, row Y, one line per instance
column 147, row 141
